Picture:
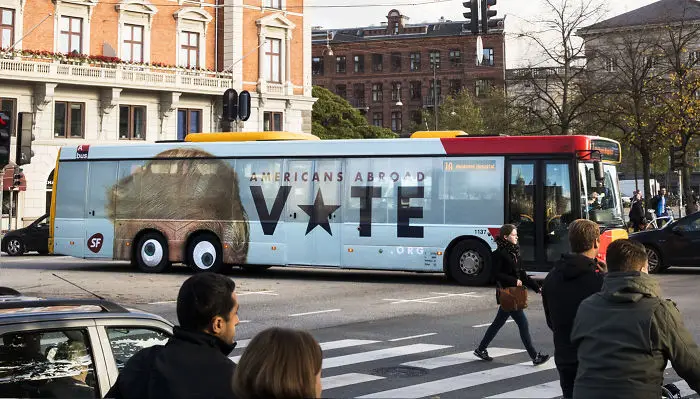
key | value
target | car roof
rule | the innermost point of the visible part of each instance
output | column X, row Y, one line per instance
column 21, row 309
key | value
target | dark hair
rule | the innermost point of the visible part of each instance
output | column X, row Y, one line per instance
column 506, row 229
column 625, row 255
column 279, row 363
column 203, row 297
column 582, row 235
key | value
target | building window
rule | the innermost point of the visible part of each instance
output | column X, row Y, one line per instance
column 396, row 62
column 417, row 117
column 435, row 59
column 693, row 57
column 377, row 62
column 455, row 86
column 317, row 65
column 340, row 64
column 359, row 63
column 377, row 95
column 489, row 58
column 396, row 121
column 341, row 90
column 455, row 58
column 396, row 91
column 132, row 46
column 273, row 59
column 189, row 49
column 610, row 65
column 483, row 86
column 414, row 89
column 415, row 61
column 650, row 62
column 435, row 88
column 378, row 119
column 132, row 122
column 188, row 121
column 272, row 121
column 273, row 4
column 7, row 106
column 69, row 120
column 7, row 28
column 396, row 29
column 358, row 91
column 70, row 35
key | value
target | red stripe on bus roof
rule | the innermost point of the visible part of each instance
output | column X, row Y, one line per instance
column 515, row 145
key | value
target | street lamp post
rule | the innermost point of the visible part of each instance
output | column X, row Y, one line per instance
column 435, row 97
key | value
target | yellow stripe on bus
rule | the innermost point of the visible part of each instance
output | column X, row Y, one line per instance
column 248, row 136
column 432, row 134
column 52, row 212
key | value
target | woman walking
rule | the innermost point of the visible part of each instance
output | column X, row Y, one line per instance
column 508, row 272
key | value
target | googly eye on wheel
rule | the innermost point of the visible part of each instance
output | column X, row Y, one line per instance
column 204, row 253
column 151, row 253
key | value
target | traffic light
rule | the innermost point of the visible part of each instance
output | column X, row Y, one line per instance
column 244, row 105
column 486, row 14
column 5, row 134
column 230, row 105
column 23, row 152
column 472, row 15
column 17, row 178
column 677, row 158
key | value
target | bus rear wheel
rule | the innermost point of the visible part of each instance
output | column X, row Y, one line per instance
column 469, row 263
column 204, row 254
column 152, row 253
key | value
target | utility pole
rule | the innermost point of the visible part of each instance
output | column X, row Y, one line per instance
column 435, row 103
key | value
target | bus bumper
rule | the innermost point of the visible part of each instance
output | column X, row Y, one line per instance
column 607, row 237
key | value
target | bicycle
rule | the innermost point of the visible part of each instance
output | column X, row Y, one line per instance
column 654, row 220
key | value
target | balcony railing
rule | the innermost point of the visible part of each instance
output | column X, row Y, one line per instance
column 116, row 75
column 429, row 101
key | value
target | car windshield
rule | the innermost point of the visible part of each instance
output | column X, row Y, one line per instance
column 600, row 201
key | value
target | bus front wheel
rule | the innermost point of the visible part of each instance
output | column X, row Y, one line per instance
column 204, row 254
column 152, row 253
column 470, row 263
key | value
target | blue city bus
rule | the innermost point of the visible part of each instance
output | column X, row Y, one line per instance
column 432, row 203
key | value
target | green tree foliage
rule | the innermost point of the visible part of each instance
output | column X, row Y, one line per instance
column 334, row 118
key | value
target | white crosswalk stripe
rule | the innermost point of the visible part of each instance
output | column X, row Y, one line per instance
column 352, row 370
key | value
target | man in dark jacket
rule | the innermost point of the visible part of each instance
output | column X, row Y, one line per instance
column 575, row 277
column 626, row 333
column 194, row 363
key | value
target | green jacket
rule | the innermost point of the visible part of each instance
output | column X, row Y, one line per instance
column 625, row 335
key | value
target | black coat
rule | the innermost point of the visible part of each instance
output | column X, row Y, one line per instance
column 190, row 365
column 508, row 271
column 574, row 278
column 637, row 213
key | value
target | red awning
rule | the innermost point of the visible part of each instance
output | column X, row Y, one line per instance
column 9, row 177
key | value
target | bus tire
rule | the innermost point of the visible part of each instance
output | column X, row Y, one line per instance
column 470, row 263
column 204, row 254
column 152, row 253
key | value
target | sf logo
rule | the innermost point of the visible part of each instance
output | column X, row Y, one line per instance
column 95, row 242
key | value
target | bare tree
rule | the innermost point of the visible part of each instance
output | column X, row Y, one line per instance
column 559, row 90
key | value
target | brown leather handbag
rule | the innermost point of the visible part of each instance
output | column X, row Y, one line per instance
column 512, row 298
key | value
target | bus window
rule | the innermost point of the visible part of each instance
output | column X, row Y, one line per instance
column 522, row 205
column 558, row 215
column 473, row 190
column 602, row 203
column 71, row 190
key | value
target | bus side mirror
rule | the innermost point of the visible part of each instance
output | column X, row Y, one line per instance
column 598, row 170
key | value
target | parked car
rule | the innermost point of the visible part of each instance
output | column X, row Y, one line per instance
column 675, row 244
column 69, row 348
column 34, row 237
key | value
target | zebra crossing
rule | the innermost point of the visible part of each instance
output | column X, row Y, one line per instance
column 366, row 368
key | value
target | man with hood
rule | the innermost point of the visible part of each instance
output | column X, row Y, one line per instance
column 194, row 364
column 626, row 333
column 575, row 277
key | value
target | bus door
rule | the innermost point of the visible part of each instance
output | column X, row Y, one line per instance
column 539, row 202
column 99, row 229
column 314, row 212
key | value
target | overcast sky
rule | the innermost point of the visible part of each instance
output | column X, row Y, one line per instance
column 518, row 12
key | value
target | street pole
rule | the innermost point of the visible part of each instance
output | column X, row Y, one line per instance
column 680, row 191
column 2, row 190
column 435, row 109
column 9, row 221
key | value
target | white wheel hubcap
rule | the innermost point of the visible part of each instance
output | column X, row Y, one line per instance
column 204, row 255
column 471, row 263
column 151, row 253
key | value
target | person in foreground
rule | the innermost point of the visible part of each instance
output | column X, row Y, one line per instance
column 575, row 277
column 194, row 363
column 508, row 272
column 626, row 333
column 279, row 363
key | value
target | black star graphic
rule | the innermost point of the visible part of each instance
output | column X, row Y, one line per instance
column 319, row 213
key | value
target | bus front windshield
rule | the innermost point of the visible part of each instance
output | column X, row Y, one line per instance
column 600, row 200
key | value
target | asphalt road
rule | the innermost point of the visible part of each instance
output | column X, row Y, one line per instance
column 384, row 334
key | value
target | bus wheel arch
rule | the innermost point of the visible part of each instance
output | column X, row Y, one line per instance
column 463, row 255
column 150, row 251
column 204, row 252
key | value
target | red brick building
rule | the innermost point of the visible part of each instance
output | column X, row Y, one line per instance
column 386, row 71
